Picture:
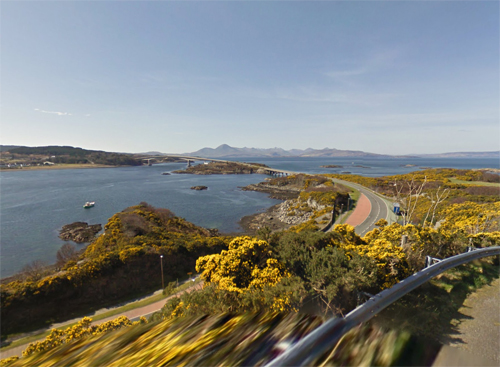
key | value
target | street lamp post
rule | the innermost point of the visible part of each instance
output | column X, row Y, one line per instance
column 161, row 264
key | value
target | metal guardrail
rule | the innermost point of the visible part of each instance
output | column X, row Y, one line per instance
column 328, row 334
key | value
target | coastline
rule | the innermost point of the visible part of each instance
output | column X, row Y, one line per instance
column 270, row 217
column 57, row 167
column 252, row 223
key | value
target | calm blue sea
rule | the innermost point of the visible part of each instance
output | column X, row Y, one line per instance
column 373, row 167
column 34, row 205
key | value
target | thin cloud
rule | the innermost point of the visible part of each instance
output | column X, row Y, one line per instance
column 375, row 63
column 54, row 112
column 326, row 96
column 346, row 73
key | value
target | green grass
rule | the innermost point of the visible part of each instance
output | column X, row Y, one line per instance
column 355, row 194
column 117, row 311
column 474, row 183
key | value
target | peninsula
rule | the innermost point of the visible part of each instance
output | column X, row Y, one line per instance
column 59, row 157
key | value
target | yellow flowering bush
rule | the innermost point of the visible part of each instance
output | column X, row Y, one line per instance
column 82, row 329
column 247, row 263
column 247, row 266
column 389, row 256
column 472, row 218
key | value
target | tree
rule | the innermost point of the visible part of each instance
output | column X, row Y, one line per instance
column 407, row 193
column 436, row 198
column 35, row 269
column 66, row 253
column 335, row 277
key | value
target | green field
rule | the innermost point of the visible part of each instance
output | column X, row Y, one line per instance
column 474, row 183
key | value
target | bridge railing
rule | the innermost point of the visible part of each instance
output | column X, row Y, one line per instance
column 327, row 335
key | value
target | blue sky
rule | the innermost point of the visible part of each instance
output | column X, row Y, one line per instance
column 390, row 77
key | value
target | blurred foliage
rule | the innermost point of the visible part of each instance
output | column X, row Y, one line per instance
column 231, row 340
column 81, row 330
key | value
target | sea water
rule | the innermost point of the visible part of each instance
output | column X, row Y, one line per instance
column 35, row 204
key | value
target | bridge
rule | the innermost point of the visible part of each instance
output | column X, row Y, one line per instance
column 190, row 159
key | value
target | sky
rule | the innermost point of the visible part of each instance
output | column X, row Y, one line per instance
column 387, row 77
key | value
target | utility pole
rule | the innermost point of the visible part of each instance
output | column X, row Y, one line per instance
column 161, row 265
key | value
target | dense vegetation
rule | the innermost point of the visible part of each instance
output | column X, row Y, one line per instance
column 427, row 192
column 122, row 262
column 67, row 155
column 222, row 168
column 289, row 271
column 223, row 340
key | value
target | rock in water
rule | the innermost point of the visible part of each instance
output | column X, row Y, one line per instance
column 199, row 188
column 79, row 232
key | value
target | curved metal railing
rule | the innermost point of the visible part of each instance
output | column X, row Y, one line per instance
column 328, row 334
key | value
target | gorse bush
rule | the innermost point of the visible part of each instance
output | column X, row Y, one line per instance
column 435, row 181
column 248, row 339
column 280, row 271
column 123, row 261
column 81, row 330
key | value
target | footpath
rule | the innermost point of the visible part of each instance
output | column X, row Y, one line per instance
column 361, row 211
column 131, row 314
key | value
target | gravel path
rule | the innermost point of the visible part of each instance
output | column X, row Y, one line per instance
column 477, row 342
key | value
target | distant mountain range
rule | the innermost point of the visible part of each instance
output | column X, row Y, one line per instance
column 494, row 154
column 226, row 151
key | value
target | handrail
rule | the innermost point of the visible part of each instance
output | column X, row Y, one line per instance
column 325, row 336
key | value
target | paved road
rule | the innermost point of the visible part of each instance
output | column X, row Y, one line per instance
column 379, row 208
column 477, row 341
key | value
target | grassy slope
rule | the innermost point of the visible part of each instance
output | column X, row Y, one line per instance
column 474, row 183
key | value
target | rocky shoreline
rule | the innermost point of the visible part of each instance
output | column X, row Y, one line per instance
column 295, row 208
column 283, row 215
column 274, row 192
column 79, row 232
column 277, row 218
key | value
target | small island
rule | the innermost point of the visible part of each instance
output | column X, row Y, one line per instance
column 331, row 166
column 79, row 232
column 199, row 188
column 223, row 168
